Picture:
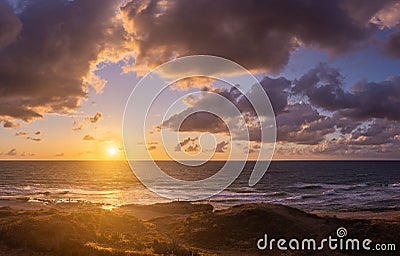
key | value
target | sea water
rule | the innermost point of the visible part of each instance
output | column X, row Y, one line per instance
column 308, row 185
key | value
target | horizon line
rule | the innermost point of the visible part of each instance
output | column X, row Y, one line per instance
column 166, row 160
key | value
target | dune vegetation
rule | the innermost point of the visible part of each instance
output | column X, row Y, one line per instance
column 177, row 228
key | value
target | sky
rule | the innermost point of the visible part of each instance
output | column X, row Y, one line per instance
column 329, row 68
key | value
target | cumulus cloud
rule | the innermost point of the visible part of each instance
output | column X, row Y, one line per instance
column 34, row 139
column 87, row 137
column 27, row 154
column 377, row 132
column 78, row 126
column 188, row 145
column 163, row 30
column 315, row 114
column 10, row 124
column 388, row 16
column 221, row 147
column 254, row 147
column 256, row 34
column 49, row 49
column 373, row 140
column 46, row 65
column 298, row 124
column 196, row 122
column 192, row 148
column 96, row 118
column 324, row 89
column 187, row 141
column 278, row 91
column 192, row 82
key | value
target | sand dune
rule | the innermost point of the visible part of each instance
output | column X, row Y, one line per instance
column 177, row 228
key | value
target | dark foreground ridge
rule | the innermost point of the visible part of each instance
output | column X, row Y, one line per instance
column 177, row 228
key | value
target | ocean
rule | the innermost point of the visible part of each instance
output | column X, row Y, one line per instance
column 307, row 185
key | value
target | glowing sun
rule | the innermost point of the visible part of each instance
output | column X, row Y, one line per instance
column 112, row 151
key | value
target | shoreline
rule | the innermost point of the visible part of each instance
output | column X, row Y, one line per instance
column 389, row 214
column 382, row 213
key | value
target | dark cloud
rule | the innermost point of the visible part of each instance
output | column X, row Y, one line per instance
column 37, row 133
column 377, row 132
column 152, row 147
column 34, row 139
column 46, row 68
column 392, row 46
column 343, row 124
column 96, row 118
column 49, row 49
column 196, row 122
column 278, row 91
column 256, row 34
column 289, row 120
column 221, row 147
column 254, row 147
column 21, row 133
column 328, row 109
column 10, row 25
column 187, row 141
column 363, row 11
column 376, row 100
column 192, row 148
column 188, row 145
column 12, row 152
column 155, row 129
column 324, row 89
column 10, row 124
column 27, row 154
column 320, row 74
column 302, row 124
column 87, row 137
column 379, row 138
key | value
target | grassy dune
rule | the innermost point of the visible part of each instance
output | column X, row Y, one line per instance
column 177, row 228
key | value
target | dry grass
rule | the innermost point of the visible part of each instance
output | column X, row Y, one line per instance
column 171, row 229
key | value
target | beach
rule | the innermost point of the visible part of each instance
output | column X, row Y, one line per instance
column 178, row 228
column 100, row 208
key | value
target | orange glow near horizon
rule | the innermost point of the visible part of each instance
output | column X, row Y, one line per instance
column 112, row 151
